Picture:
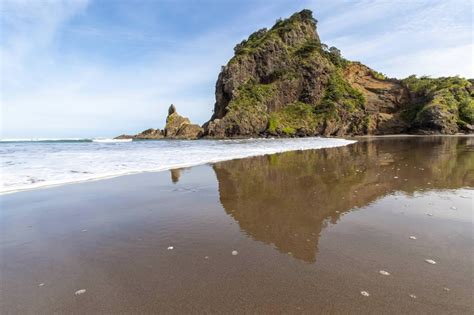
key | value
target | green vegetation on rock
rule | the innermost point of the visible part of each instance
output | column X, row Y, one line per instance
column 284, row 81
column 247, row 113
column 450, row 97
column 339, row 94
column 277, row 34
column 294, row 117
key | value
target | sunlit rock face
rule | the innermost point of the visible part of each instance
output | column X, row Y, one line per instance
column 283, row 81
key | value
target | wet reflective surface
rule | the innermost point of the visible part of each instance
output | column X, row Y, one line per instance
column 287, row 199
column 312, row 230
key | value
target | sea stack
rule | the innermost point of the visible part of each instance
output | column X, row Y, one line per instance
column 179, row 127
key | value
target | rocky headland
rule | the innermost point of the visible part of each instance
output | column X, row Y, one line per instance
column 284, row 82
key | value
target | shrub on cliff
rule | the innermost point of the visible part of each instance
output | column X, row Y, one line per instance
column 452, row 96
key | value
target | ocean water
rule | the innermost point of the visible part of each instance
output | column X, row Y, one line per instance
column 34, row 163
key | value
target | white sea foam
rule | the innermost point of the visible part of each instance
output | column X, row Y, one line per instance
column 44, row 139
column 111, row 140
column 28, row 165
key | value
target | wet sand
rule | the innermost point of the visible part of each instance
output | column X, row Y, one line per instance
column 312, row 230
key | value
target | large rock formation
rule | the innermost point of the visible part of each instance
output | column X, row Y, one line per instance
column 285, row 82
column 179, row 127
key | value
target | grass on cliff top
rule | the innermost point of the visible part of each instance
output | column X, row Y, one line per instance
column 282, row 26
column 310, row 49
column 451, row 94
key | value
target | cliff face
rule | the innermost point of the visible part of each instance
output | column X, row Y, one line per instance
column 285, row 82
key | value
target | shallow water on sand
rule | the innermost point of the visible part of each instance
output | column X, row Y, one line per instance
column 341, row 230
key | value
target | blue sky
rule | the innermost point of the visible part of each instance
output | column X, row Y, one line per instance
column 85, row 68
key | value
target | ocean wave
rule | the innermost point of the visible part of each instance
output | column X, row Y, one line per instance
column 111, row 140
column 33, row 165
column 47, row 140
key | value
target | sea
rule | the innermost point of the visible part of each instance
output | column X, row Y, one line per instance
column 34, row 163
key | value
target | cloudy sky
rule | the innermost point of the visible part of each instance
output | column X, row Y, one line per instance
column 85, row 68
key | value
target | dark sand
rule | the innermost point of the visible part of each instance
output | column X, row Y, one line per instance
column 312, row 230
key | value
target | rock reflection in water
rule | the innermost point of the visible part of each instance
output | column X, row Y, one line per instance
column 287, row 199
column 175, row 175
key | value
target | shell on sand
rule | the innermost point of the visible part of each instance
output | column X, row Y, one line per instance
column 364, row 293
column 430, row 261
column 79, row 292
column 234, row 253
column 413, row 237
column 384, row 273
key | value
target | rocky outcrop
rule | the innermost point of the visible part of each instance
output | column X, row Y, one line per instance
column 285, row 82
column 149, row 134
column 179, row 127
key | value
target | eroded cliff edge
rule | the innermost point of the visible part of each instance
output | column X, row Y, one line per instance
column 285, row 82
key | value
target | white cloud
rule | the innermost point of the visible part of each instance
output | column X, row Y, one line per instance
column 400, row 38
column 433, row 62
column 81, row 97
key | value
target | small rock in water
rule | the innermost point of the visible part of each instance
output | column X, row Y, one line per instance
column 430, row 261
column 170, row 248
column 41, row 284
column 79, row 292
column 235, row 253
column 364, row 293
column 447, row 289
column 413, row 237
column 413, row 296
column 384, row 273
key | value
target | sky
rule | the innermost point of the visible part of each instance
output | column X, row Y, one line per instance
column 100, row 68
